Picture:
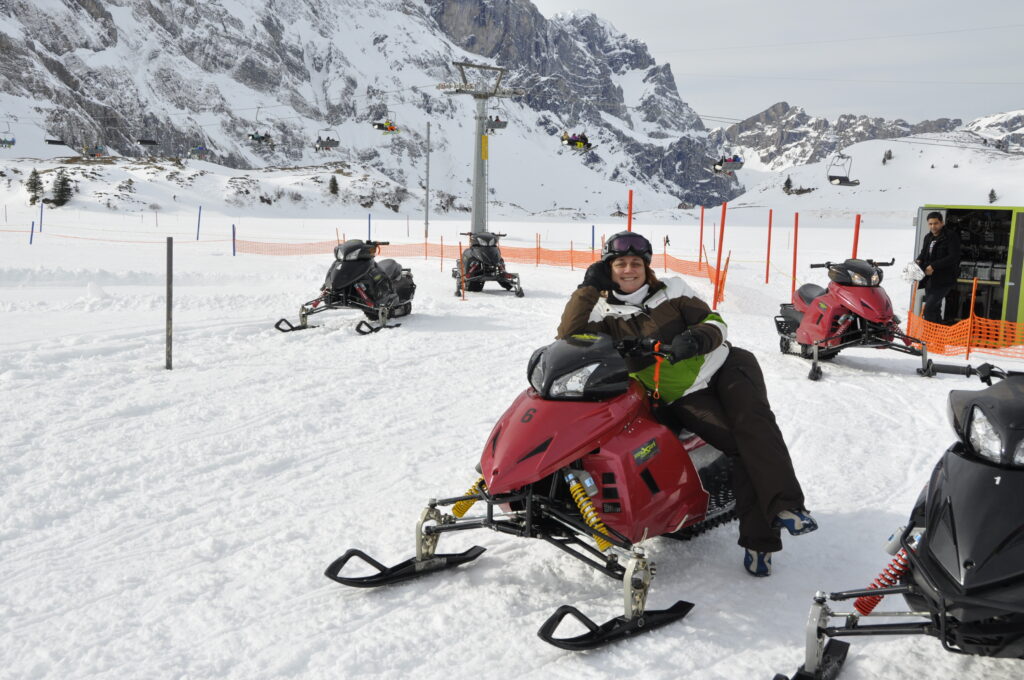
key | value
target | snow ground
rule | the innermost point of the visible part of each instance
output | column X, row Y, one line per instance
column 176, row 524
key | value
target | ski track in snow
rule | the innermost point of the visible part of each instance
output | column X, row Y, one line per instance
column 176, row 524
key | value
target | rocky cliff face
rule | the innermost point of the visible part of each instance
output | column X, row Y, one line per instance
column 580, row 73
column 782, row 136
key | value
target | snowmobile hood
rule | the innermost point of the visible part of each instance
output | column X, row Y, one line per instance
column 975, row 513
column 869, row 302
column 344, row 273
column 536, row 437
column 485, row 254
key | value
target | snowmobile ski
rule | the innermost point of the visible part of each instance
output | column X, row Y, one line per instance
column 410, row 568
column 615, row 629
column 831, row 663
column 286, row 326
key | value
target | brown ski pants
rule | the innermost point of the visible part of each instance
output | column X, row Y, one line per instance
column 734, row 416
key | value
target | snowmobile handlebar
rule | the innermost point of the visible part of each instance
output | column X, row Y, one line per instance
column 377, row 243
column 873, row 263
column 641, row 347
column 473, row 233
column 985, row 372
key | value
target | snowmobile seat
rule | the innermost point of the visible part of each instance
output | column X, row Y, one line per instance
column 809, row 291
column 391, row 269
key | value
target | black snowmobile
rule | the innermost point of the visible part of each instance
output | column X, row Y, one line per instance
column 482, row 262
column 382, row 290
column 959, row 562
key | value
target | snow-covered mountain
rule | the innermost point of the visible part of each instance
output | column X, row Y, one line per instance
column 783, row 136
column 187, row 74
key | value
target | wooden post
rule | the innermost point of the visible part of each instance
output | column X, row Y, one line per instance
column 768, row 256
column 199, row 221
column 462, row 272
column 796, row 229
column 442, row 252
column 536, row 249
column 856, row 235
column 170, row 289
column 233, row 248
column 718, row 259
column 629, row 215
column 570, row 256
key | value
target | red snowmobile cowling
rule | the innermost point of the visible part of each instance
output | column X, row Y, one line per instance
column 647, row 484
column 870, row 303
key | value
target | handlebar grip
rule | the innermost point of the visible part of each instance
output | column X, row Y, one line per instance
column 819, row 266
column 953, row 369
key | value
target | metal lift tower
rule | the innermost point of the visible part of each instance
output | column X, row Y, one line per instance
column 481, row 92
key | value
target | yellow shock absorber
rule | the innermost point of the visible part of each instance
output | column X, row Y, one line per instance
column 579, row 494
column 462, row 507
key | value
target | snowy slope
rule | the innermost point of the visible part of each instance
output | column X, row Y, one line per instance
column 172, row 524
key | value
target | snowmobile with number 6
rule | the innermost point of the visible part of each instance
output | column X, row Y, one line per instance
column 959, row 561
column 382, row 290
column 579, row 461
column 854, row 311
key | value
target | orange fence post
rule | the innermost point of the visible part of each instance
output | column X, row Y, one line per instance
column 768, row 256
column 424, row 247
column 970, row 318
column 856, row 235
column 336, row 237
column 796, row 230
column 720, row 287
column 664, row 256
column 462, row 272
column 700, row 244
column 570, row 256
column 442, row 252
column 537, row 249
column 629, row 215
column 718, row 259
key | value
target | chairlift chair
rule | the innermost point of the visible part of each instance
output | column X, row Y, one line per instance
column 199, row 152
column 838, row 170
column 94, row 151
column 387, row 126
column 145, row 141
column 728, row 164
column 493, row 124
column 7, row 139
column 325, row 142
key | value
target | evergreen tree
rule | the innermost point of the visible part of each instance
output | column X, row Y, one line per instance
column 888, row 154
column 61, row 188
column 884, row 159
column 992, row 198
column 332, row 186
column 34, row 186
column 787, row 186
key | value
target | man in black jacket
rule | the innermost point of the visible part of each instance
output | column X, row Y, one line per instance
column 940, row 260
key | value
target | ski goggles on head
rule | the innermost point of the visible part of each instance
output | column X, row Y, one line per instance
column 627, row 243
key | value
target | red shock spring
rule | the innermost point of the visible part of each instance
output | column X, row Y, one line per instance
column 889, row 577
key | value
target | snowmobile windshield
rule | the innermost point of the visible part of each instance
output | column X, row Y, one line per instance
column 489, row 255
column 354, row 249
column 583, row 367
column 485, row 240
column 855, row 273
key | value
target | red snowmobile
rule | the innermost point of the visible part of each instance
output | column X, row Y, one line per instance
column 854, row 311
column 580, row 461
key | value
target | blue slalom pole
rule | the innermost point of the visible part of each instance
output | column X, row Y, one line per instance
column 32, row 233
column 591, row 236
column 232, row 240
column 199, row 221
column 40, row 218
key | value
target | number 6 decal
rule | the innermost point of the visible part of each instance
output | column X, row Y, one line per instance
column 528, row 416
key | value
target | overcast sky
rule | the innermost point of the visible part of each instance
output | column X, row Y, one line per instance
column 910, row 59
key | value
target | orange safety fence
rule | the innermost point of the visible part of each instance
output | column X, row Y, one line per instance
column 973, row 334
column 575, row 258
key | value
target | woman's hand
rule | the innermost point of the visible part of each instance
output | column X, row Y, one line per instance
column 598, row 276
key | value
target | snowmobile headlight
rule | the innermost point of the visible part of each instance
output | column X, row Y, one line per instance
column 535, row 370
column 1018, row 454
column 876, row 278
column 984, row 438
column 857, row 279
column 572, row 384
